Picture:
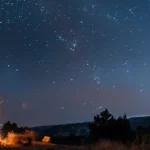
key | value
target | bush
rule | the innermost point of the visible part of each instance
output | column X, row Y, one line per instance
column 18, row 139
column 12, row 127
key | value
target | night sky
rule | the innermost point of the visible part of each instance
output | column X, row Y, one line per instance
column 64, row 61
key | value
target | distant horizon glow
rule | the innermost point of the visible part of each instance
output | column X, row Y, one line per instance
column 136, row 116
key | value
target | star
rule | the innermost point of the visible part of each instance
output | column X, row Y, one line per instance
column 71, row 79
column 56, row 53
column 84, row 104
column 24, row 105
column 62, row 107
column 100, row 107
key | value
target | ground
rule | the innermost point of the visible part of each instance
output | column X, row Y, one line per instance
column 46, row 146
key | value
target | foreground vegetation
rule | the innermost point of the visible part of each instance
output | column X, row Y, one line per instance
column 115, row 145
column 109, row 133
column 105, row 126
column 12, row 135
column 106, row 133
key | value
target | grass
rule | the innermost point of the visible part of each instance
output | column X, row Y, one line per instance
column 110, row 145
column 28, row 137
column 20, row 139
column 103, row 145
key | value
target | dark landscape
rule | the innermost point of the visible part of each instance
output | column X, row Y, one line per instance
column 105, row 132
column 75, row 74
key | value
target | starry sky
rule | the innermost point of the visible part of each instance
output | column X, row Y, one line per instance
column 64, row 61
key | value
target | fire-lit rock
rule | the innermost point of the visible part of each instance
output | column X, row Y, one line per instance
column 46, row 139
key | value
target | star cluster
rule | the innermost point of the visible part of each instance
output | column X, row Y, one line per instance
column 60, row 57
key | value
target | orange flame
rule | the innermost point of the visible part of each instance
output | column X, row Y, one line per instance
column 14, row 139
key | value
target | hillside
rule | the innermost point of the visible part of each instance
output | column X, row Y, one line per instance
column 140, row 121
column 78, row 129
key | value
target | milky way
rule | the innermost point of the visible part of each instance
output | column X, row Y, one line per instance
column 65, row 61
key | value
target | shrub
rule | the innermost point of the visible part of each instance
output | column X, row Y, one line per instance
column 16, row 139
column 12, row 127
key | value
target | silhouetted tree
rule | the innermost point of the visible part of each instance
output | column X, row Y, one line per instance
column 9, row 127
column 105, row 126
column 123, row 128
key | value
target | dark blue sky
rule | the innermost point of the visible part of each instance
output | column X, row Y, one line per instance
column 66, row 60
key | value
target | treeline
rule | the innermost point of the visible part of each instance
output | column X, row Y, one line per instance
column 103, row 127
column 106, row 127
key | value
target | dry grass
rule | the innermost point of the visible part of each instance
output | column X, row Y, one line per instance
column 104, row 145
column 109, row 145
column 14, row 139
